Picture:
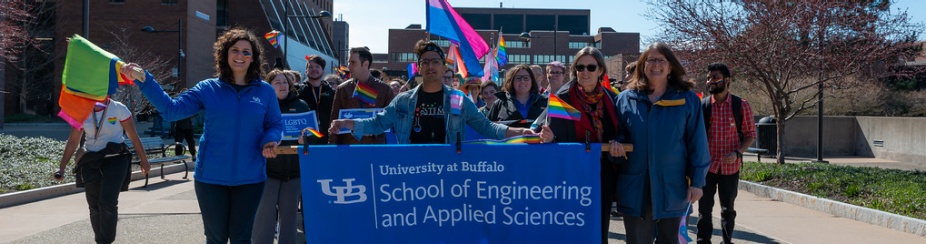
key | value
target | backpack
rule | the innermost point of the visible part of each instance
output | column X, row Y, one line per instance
column 736, row 105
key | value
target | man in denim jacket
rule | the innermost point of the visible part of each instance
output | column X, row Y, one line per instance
column 426, row 114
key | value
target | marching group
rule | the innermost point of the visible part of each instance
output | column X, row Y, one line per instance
column 685, row 147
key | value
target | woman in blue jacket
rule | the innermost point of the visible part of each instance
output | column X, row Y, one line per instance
column 666, row 170
column 242, row 127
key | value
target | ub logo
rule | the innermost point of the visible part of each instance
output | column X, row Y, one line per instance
column 256, row 100
column 342, row 192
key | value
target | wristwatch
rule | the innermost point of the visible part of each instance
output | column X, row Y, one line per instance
column 738, row 153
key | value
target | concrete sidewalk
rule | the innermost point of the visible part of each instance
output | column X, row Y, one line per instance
column 167, row 212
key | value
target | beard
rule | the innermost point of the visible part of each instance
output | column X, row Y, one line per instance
column 317, row 77
column 714, row 89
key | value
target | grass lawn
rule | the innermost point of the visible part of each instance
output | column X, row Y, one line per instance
column 901, row 192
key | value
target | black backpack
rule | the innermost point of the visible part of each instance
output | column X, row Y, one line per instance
column 736, row 105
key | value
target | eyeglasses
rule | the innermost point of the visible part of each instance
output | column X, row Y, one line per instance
column 522, row 78
column 655, row 61
column 581, row 67
column 430, row 62
column 556, row 73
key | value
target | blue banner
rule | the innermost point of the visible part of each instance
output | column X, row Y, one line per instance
column 294, row 123
column 358, row 113
column 515, row 193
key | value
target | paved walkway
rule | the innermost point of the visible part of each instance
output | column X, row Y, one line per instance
column 167, row 212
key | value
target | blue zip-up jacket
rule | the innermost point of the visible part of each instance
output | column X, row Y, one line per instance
column 237, row 125
column 669, row 143
column 401, row 113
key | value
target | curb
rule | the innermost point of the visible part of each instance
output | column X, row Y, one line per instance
column 28, row 196
column 840, row 209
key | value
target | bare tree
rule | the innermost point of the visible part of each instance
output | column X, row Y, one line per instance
column 786, row 48
column 124, row 48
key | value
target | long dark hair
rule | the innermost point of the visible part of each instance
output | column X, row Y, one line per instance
column 676, row 77
column 228, row 39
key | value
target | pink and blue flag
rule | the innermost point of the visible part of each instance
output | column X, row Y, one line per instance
column 412, row 70
column 456, row 101
column 444, row 21
column 683, row 228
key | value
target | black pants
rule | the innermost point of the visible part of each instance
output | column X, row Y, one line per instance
column 103, row 198
column 228, row 211
column 608, row 187
column 726, row 187
column 180, row 135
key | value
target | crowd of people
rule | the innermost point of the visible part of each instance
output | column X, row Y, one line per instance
column 682, row 148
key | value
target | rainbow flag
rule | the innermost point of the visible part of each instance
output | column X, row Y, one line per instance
column 501, row 54
column 458, row 62
column 273, row 38
column 456, row 101
column 365, row 93
column 343, row 71
column 557, row 108
column 606, row 83
column 529, row 139
column 444, row 21
column 89, row 76
column 313, row 131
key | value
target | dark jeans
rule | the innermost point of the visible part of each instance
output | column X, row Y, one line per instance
column 726, row 187
column 645, row 229
column 608, row 187
column 180, row 135
column 103, row 198
column 228, row 211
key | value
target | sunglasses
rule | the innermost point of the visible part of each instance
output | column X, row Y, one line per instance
column 581, row 67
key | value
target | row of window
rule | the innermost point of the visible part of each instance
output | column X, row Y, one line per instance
column 162, row 1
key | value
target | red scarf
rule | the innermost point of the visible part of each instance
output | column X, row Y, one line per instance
column 590, row 104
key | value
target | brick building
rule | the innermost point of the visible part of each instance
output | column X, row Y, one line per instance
column 555, row 34
column 117, row 26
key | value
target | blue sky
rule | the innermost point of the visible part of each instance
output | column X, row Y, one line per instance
column 370, row 22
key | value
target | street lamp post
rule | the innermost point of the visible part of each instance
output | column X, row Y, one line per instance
column 527, row 37
column 322, row 14
column 179, row 32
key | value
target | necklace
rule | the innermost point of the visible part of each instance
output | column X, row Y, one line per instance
column 317, row 95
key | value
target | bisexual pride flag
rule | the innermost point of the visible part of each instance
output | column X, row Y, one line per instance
column 89, row 76
column 365, row 93
column 444, row 21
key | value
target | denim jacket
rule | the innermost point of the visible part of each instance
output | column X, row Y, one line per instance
column 400, row 114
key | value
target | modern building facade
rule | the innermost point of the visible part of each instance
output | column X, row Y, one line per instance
column 554, row 35
column 178, row 36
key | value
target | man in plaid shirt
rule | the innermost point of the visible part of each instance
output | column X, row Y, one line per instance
column 726, row 148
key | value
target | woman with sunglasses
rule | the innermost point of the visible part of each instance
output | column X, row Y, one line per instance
column 599, row 122
column 520, row 102
column 670, row 160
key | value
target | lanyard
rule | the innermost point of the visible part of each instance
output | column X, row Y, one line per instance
column 99, row 124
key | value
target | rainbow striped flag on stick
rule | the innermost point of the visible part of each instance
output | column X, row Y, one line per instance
column 365, row 93
column 529, row 139
column 273, row 37
column 89, row 76
column 313, row 131
column 557, row 108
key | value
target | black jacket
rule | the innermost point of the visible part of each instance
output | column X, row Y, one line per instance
column 286, row 167
column 322, row 108
column 505, row 109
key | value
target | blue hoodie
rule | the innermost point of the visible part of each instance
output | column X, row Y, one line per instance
column 237, row 125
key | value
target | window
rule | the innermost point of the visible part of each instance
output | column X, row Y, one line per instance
column 577, row 45
column 598, row 44
column 169, row 2
column 516, row 44
column 404, row 57
column 519, row 59
column 116, row 1
column 442, row 43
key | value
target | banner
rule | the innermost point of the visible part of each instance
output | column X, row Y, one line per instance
column 357, row 113
column 294, row 123
column 511, row 193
